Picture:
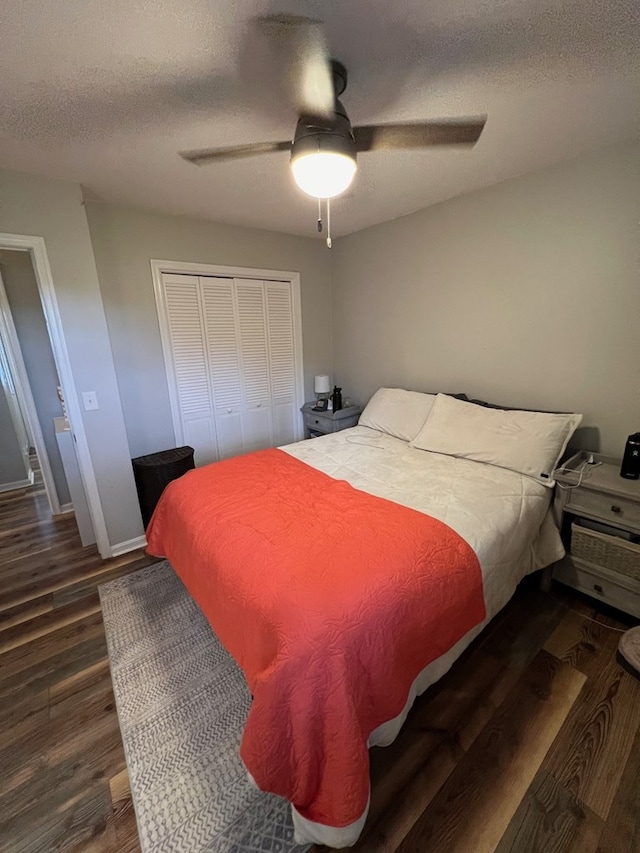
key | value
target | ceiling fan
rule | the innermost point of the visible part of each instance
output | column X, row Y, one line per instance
column 325, row 145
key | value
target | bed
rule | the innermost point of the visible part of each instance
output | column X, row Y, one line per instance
column 347, row 573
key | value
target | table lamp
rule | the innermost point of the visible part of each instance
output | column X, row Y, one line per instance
column 322, row 387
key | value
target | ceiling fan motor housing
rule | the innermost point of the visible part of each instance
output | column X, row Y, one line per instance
column 333, row 134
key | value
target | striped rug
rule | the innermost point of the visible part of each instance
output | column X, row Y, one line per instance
column 182, row 703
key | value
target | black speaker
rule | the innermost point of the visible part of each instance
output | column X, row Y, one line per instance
column 631, row 460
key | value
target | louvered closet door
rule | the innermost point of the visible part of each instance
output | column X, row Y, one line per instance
column 254, row 364
column 232, row 366
column 189, row 362
column 281, row 360
column 218, row 302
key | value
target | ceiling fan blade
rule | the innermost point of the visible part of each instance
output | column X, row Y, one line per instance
column 299, row 52
column 412, row 135
column 236, row 152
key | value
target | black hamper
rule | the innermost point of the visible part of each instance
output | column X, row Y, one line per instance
column 155, row 471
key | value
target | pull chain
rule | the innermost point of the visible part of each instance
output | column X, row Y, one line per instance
column 319, row 216
column 328, row 223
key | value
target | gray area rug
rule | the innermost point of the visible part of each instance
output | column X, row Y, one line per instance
column 182, row 703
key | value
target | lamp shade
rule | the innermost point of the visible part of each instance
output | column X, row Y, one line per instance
column 321, row 384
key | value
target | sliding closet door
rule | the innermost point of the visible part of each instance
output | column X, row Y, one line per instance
column 230, row 347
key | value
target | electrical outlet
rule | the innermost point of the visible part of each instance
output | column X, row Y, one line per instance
column 90, row 400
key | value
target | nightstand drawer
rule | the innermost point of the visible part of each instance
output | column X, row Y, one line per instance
column 608, row 508
column 312, row 421
column 600, row 586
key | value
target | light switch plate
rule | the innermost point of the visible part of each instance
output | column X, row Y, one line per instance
column 90, row 400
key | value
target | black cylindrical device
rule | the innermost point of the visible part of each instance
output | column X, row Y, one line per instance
column 631, row 460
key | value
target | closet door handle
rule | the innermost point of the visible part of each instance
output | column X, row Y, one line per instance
column 229, row 411
column 258, row 406
column 616, row 509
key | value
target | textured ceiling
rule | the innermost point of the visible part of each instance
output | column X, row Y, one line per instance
column 105, row 92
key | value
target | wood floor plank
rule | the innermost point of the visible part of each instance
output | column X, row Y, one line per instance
column 81, row 685
column 21, row 658
column 54, row 570
column 44, row 624
column 475, row 806
column 86, row 585
column 26, row 542
column 551, row 819
column 104, row 839
column 22, row 715
column 594, row 746
column 581, row 642
column 69, row 737
column 86, row 571
column 120, row 787
column 24, row 613
column 54, row 785
column 126, row 829
column 62, row 556
column 622, row 828
column 42, row 673
column 69, row 826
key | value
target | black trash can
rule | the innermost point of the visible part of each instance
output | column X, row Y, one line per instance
column 155, row 471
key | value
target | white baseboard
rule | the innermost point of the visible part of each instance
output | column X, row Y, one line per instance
column 18, row 484
column 66, row 508
column 128, row 545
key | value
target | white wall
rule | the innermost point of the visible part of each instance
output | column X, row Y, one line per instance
column 124, row 241
column 31, row 205
column 26, row 309
column 525, row 293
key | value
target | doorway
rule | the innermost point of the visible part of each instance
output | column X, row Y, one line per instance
column 32, row 391
column 16, row 269
column 16, row 470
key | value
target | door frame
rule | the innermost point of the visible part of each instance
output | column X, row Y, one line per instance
column 37, row 250
column 185, row 268
column 13, row 352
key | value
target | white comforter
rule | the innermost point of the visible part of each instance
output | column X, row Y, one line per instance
column 504, row 516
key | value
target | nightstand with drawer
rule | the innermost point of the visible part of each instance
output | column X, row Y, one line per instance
column 324, row 423
column 598, row 513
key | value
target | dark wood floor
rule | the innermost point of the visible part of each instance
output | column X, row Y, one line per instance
column 63, row 779
column 531, row 744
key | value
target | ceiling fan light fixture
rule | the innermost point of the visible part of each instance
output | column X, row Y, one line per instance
column 323, row 174
column 323, row 161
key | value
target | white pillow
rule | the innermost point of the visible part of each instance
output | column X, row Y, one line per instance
column 529, row 442
column 397, row 412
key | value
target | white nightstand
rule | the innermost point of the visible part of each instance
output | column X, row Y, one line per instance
column 599, row 562
column 323, row 423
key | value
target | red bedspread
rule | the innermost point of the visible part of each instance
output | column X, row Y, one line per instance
column 330, row 599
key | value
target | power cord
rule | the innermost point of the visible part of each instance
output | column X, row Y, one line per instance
column 587, row 465
column 588, row 618
column 354, row 439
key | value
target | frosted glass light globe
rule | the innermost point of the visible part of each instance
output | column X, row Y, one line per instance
column 323, row 174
